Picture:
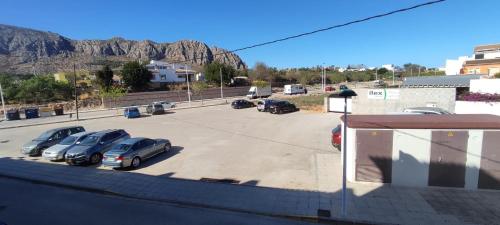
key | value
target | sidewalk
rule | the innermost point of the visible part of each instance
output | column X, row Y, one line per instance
column 366, row 202
column 102, row 113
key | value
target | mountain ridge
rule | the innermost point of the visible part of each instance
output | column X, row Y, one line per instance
column 26, row 50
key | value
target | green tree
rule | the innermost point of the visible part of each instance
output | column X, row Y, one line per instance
column 198, row 88
column 213, row 72
column 337, row 77
column 136, row 76
column 104, row 77
column 260, row 72
column 497, row 75
column 45, row 88
column 113, row 92
column 382, row 71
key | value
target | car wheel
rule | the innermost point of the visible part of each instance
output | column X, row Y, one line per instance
column 136, row 162
column 167, row 147
column 95, row 158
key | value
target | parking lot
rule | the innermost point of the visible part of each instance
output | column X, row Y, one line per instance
column 218, row 142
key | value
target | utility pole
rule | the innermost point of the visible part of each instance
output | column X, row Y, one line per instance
column 393, row 82
column 76, row 93
column 3, row 103
column 419, row 71
column 221, row 92
column 187, row 80
column 376, row 73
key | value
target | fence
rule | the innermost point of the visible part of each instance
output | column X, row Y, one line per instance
column 143, row 98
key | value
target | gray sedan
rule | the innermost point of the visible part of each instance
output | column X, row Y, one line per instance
column 133, row 151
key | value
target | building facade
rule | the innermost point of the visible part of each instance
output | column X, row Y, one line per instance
column 164, row 72
column 486, row 60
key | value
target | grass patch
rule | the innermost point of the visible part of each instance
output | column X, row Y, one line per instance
column 310, row 102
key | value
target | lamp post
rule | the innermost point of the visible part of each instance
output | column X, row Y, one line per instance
column 3, row 103
column 346, row 93
column 187, row 80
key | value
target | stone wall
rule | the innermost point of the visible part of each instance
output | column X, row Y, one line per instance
column 408, row 97
column 144, row 98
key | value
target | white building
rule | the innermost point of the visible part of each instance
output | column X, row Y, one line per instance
column 164, row 72
column 389, row 67
column 454, row 66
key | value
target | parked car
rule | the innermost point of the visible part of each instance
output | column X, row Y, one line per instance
column 58, row 151
column 241, row 103
column 281, row 107
column 48, row 138
column 426, row 110
column 166, row 104
column 91, row 149
column 263, row 105
column 343, row 87
column 131, row 112
column 155, row 109
column 337, row 137
column 329, row 88
column 132, row 152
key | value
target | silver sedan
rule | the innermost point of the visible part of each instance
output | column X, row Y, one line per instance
column 132, row 152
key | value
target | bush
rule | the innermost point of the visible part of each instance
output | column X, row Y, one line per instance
column 479, row 97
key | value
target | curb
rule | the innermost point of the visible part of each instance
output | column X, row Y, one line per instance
column 321, row 220
column 102, row 117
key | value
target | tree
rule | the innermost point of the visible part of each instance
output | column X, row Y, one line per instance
column 382, row 71
column 336, row 78
column 260, row 71
column 198, row 88
column 43, row 88
column 113, row 92
column 213, row 70
column 136, row 76
column 104, row 78
column 497, row 75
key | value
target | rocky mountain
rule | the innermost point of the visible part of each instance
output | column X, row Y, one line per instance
column 25, row 50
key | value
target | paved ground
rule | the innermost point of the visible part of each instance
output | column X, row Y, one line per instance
column 62, row 206
column 288, row 156
column 219, row 142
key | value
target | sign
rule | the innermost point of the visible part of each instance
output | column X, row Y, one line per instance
column 383, row 94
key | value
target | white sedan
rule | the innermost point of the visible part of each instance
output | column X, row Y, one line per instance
column 166, row 104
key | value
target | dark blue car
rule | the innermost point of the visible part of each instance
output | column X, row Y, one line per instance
column 131, row 112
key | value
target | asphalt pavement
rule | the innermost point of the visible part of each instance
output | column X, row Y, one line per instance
column 23, row 202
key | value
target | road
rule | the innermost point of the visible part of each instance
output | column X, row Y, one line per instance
column 23, row 202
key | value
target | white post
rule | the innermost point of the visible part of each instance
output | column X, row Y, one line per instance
column 221, row 92
column 3, row 103
column 187, row 80
column 344, row 155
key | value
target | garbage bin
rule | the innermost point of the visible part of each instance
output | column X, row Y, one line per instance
column 59, row 110
column 13, row 114
column 31, row 113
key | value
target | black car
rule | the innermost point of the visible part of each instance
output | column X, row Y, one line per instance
column 281, row 107
column 48, row 138
column 155, row 109
column 241, row 104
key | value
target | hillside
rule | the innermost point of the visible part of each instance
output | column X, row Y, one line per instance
column 25, row 50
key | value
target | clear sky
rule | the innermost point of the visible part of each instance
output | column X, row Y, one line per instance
column 426, row 36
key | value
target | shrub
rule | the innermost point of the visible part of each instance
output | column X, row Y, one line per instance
column 479, row 97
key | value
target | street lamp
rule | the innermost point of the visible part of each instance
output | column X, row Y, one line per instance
column 346, row 93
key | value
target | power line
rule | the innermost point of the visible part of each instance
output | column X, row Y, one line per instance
column 321, row 30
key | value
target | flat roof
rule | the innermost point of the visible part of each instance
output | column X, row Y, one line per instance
column 452, row 121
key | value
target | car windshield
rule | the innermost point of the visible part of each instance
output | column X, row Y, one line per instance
column 158, row 106
column 45, row 135
column 90, row 140
column 69, row 140
column 121, row 147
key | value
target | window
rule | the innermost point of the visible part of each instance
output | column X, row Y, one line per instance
column 148, row 143
column 75, row 130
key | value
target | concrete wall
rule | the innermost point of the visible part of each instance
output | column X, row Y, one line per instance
column 144, row 98
column 411, row 154
column 337, row 105
column 466, row 107
column 408, row 97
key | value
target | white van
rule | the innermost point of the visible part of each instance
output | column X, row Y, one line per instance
column 291, row 89
column 256, row 92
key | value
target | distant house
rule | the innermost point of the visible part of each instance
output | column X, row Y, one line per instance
column 486, row 60
column 164, row 72
column 356, row 67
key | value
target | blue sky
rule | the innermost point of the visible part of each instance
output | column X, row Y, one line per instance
column 426, row 36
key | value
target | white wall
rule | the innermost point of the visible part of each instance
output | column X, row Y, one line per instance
column 465, row 107
column 491, row 86
column 453, row 66
column 411, row 154
column 473, row 161
column 337, row 105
